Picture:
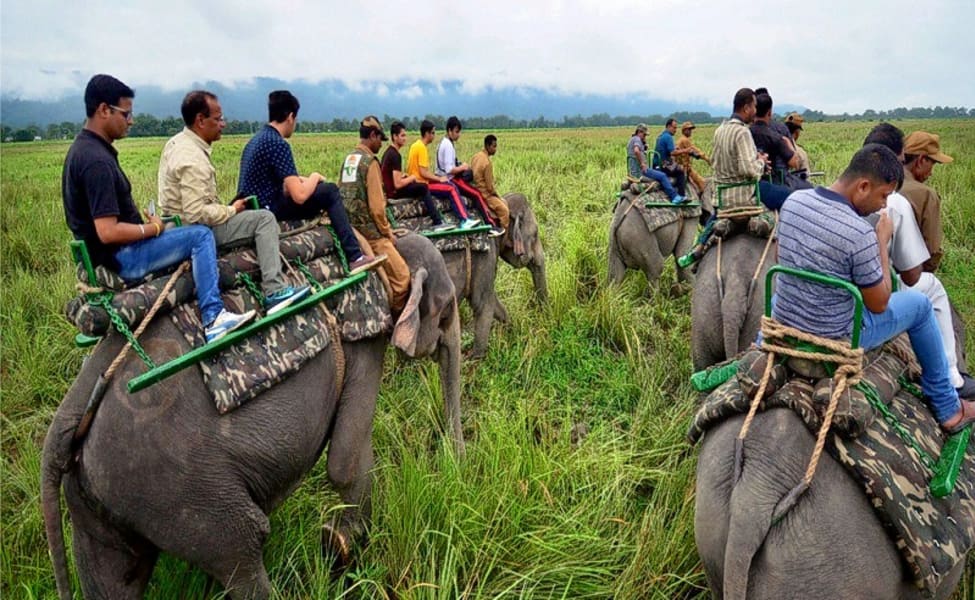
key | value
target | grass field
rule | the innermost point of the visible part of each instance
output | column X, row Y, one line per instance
column 526, row 513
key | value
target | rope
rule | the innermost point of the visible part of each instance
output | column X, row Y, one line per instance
column 84, row 288
column 741, row 211
column 761, row 261
column 849, row 362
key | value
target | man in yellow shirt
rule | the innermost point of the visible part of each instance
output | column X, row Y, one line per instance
column 484, row 180
column 418, row 165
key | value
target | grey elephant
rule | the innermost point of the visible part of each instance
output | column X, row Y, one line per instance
column 643, row 238
column 161, row 471
column 474, row 273
column 726, row 308
column 830, row 545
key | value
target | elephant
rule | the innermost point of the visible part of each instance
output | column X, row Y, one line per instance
column 632, row 244
column 829, row 545
column 726, row 311
column 474, row 280
column 160, row 470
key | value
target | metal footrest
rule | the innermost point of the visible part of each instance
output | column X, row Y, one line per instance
column 455, row 232
column 949, row 463
column 198, row 354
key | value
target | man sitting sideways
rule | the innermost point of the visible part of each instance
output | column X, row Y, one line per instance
column 187, row 185
column 399, row 185
column 665, row 153
column 908, row 254
column 99, row 209
column 268, row 171
column 689, row 151
column 455, row 171
column 418, row 167
column 823, row 230
column 637, row 167
column 361, row 186
column 922, row 150
column 483, row 171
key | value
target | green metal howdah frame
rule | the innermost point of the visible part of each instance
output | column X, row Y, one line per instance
column 944, row 471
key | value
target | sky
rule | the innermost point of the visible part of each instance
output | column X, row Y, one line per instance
column 830, row 55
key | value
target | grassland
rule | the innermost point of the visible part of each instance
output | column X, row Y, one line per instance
column 527, row 513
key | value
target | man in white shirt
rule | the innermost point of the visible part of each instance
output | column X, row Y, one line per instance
column 455, row 171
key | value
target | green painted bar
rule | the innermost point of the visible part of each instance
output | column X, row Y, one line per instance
column 949, row 463
column 450, row 232
column 825, row 280
column 197, row 354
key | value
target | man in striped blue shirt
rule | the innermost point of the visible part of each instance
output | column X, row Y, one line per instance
column 824, row 230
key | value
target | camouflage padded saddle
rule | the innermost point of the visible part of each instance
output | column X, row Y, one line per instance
column 410, row 213
column 638, row 194
column 894, row 468
column 247, row 368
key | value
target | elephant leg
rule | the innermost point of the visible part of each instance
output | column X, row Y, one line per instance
column 483, row 318
column 109, row 567
column 500, row 312
column 449, row 362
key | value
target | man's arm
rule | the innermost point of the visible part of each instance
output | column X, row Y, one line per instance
column 377, row 199
column 931, row 229
column 425, row 172
column 787, row 149
column 400, row 180
column 300, row 189
column 875, row 297
column 198, row 205
column 111, row 231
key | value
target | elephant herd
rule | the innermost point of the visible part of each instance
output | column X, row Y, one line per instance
column 161, row 471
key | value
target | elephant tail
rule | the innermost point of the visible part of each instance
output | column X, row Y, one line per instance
column 751, row 520
column 733, row 314
column 55, row 461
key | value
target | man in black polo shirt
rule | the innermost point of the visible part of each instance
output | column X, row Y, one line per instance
column 779, row 148
column 99, row 209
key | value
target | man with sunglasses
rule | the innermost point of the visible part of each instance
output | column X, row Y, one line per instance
column 187, row 184
column 99, row 209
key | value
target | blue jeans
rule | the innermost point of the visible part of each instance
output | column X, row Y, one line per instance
column 325, row 198
column 911, row 311
column 174, row 246
column 661, row 178
column 773, row 196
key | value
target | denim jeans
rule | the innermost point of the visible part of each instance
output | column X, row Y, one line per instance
column 773, row 196
column 176, row 245
column 325, row 198
column 911, row 311
column 661, row 178
column 420, row 190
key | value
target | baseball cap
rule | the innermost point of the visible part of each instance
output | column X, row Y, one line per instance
column 373, row 123
column 641, row 128
column 926, row 144
column 687, row 125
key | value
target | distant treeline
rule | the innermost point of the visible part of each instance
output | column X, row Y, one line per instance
column 146, row 125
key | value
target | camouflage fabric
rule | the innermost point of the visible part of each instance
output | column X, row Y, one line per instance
column 409, row 213
column 933, row 534
column 657, row 216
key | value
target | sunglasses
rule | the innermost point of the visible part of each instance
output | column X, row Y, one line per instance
column 126, row 114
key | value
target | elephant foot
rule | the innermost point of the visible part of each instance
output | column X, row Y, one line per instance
column 339, row 538
column 680, row 288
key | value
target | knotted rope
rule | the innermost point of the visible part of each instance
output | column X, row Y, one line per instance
column 849, row 369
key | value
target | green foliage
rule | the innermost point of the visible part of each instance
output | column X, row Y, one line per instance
column 536, row 508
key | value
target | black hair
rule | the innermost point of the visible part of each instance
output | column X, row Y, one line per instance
column 877, row 163
column 453, row 123
column 195, row 103
column 761, row 90
column 743, row 98
column 280, row 104
column 490, row 139
column 104, row 89
column 670, row 121
column 763, row 105
column 426, row 127
column 396, row 127
column 886, row 135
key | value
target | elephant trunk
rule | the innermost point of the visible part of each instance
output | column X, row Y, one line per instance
column 449, row 360
column 537, row 268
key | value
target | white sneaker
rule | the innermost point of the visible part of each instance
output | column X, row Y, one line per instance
column 443, row 227
column 469, row 223
column 226, row 322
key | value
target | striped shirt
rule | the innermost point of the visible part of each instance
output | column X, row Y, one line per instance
column 820, row 231
column 734, row 159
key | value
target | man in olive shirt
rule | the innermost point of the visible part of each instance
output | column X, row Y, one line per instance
column 361, row 187
column 187, row 186
column 689, row 151
column 922, row 151
column 484, row 180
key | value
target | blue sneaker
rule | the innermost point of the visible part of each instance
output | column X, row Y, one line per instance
column 226, row 322
column 469, row 223
column 678, row 199
column 442, row 227
column 283, row 298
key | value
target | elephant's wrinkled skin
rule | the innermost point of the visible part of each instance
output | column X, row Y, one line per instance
column 830, row 545
column 161, row 471
column 477, row 285
column 724, row 324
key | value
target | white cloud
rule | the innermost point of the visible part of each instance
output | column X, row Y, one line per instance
column 833, row 55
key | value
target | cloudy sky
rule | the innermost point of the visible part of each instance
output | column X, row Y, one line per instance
column 831, row 55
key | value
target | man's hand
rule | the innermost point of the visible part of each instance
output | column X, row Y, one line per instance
column 884, row 228
column 239, row 204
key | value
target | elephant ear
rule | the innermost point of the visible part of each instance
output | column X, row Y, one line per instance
column 407, row 328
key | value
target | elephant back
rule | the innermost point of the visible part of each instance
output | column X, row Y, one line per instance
column 888, row 445
column 635, row 196
column 411, row 214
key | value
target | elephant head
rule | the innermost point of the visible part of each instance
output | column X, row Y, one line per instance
column 430, row 323
column 522, row 248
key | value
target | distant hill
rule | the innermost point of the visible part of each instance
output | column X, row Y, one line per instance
column 329, row 100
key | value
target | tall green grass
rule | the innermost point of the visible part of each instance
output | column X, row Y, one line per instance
column 577, row 482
